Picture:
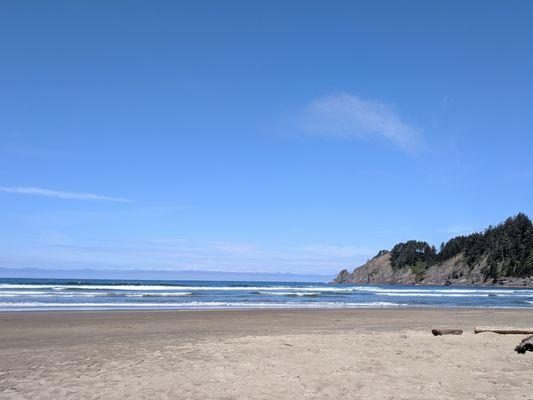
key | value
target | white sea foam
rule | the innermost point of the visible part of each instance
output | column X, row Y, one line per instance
column 22, row 292
column 30, row 293
column 441, row 290
column 322, row 289
column 67, row 295
column 17, row 286
column 396, row 294
column 197, row 305
column 177, row 287
column 84, row 290
column 159, row 294
column 298, row 294
column 94, row 287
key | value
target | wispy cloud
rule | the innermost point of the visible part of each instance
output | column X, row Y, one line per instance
column 60, row 195
column 350, row 116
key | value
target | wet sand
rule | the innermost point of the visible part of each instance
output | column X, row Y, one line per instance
column 263, row 354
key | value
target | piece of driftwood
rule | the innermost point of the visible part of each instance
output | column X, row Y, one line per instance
column 525, row 345
column 504, row 331
column 440, row 332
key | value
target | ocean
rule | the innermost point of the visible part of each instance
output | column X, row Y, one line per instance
column 96, row 294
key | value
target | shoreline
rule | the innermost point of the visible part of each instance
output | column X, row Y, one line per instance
column 281, row 309
column 443, row 285
column 252, row 308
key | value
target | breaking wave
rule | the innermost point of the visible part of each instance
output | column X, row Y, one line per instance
column 58, row 294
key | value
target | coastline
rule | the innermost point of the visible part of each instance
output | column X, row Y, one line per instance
column 263, row 354
column 506, row 285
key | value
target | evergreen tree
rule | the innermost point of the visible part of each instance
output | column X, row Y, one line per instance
column 507, row 249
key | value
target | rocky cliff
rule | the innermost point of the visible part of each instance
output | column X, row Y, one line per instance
column 501, row 255
column 455, row 271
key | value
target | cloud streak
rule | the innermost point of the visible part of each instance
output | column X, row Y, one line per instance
column 60, row 194
column 346, row 115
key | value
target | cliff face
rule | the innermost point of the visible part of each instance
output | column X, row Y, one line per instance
column 454, row 271
column 500, row 255
column 377, row 270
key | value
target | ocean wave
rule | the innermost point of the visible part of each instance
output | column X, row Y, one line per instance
column 323, row 289
column 52, row 295
column 67, row 287
column 180, row 294
column 25, row 286
column 444, row 290
column 19, row 292
column 90, row 287
column 198, row 305
column 433, row 294
column 294, row 294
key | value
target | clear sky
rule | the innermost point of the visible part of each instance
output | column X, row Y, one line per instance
column 275, row 136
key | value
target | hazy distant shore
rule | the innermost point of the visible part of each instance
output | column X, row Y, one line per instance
column 262, row 354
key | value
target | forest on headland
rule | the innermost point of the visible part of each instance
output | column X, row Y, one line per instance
column 497, row 255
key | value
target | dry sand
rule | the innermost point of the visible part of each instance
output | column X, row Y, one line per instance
column 303, row 354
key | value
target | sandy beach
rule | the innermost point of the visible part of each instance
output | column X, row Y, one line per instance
column 266, row 354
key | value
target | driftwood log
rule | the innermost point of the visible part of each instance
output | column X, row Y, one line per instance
column 440, row 332
column 504, row 331
column 525, row 345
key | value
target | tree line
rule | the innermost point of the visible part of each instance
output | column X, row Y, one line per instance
column 506, row 248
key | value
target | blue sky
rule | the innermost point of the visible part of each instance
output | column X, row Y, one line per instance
column 258, row 136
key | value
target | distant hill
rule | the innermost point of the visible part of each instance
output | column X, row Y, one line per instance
column 159, row 275
column 501, row 255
